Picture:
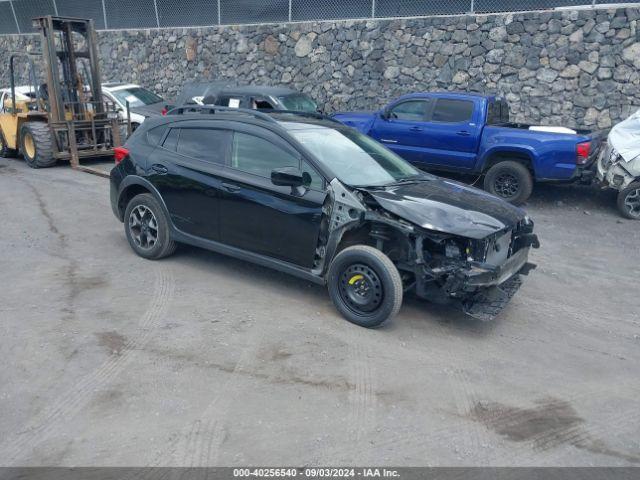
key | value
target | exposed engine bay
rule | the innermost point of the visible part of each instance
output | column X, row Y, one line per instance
column 461, row 256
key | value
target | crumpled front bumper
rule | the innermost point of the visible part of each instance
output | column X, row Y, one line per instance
column 482, row 291
column 492, row 288
column 611, row 172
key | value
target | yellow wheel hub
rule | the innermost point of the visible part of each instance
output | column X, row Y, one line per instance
column 29, row 145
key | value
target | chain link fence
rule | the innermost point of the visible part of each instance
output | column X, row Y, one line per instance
column 16, row 15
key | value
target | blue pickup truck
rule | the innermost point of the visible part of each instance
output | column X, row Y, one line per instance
column 472, row 133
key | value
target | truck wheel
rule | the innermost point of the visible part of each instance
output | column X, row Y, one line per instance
column 5, row 151
column 147, row 228
column 629, row 201
column 36, row 145
column 510, row 181
column 365, row 286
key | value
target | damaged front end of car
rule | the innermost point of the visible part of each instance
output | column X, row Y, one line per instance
column 479, row 274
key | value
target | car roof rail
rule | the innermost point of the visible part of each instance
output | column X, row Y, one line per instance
column 213, row 109
column 318, row 116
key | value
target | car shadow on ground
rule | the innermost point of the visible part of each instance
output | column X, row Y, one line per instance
column 415, row 313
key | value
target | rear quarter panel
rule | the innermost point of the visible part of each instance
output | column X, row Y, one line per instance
column 553, row 155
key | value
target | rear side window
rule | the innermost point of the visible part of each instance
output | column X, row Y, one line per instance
column 204, row 144
column 155, row 134
column 452, row 111
column 498, row 112
column 258, row 156
column 171, row 141
column 231, row 102
column 412, row 111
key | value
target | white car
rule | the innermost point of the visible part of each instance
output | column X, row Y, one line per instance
column 143, row 103
column 22, row 93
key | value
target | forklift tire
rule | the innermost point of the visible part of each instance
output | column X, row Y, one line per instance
column 36, row 145
column 5, row 151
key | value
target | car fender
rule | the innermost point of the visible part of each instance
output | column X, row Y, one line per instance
column 505, row 151
column 134, row 180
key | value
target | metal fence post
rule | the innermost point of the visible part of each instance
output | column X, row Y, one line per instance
column 104, row 15
column 55, row 7
column 155, row 6
column 473, row 7
column 290, row 10
column 15, row 17
column 593, row 4
column 373, row 8
column 219, row 16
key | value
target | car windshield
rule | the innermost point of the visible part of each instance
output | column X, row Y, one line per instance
column 356, row 159
column 299, row 103
column 136, row 96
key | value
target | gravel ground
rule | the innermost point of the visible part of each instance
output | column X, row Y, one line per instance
column 201, row 359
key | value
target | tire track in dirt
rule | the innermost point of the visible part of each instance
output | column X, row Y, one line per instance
column 362, row 399
column 198, row 443
column 68, row 404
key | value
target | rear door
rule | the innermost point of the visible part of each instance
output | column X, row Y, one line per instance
column 452, row 133
column 402, row 128
column 186, row 169
column 260, row 217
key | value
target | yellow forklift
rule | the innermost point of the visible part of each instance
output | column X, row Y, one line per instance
column 64, row 115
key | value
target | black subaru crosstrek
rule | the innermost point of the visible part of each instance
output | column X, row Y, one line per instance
column 303, row 194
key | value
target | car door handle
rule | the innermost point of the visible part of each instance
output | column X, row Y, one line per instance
column 388, row 140
column 230, row 187
column 161, row 169
column 463, row 133
column 416, row 129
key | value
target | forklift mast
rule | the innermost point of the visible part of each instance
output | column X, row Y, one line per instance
column 70, row 90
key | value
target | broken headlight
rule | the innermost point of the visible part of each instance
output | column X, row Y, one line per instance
column 458, row 249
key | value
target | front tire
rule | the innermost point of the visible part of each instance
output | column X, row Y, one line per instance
column 509, row 180
column 36, row 145
column 147, row 228
column 365, row 286
column 629, row 202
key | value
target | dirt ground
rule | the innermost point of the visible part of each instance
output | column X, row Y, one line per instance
column 200, row 359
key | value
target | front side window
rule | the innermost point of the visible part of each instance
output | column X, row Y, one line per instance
column 315, row 180
column 412, row 111
column 452, row 111
column 204, row 144
column 258, row 156
column 261, row 104
column 355, row 158
column 298, row 102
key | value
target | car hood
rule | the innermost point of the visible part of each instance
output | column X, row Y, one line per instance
column 625, row 139
column 449, row 207
column 153, row 110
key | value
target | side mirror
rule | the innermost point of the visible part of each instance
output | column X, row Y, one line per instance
column 287, row 177
column 385, row 114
